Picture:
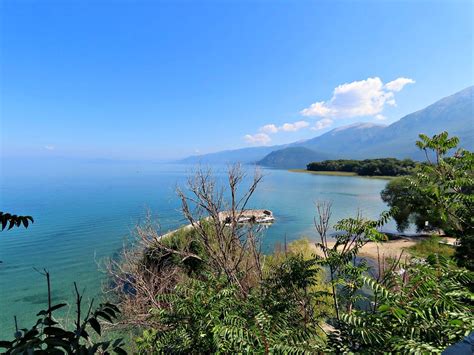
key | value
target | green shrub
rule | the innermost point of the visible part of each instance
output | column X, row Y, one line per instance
column 423, row 308
column 48, row 336
column 431, row 245
column 212, row 316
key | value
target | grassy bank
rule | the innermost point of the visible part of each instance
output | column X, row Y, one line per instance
column 431, row 245
column 339, row 173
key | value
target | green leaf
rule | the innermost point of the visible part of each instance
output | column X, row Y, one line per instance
column 120, row 351
column 104, row 315
column 95, row 325
column 57, row 306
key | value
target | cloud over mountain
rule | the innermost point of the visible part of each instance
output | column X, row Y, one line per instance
column 258, row 138
column 264, row 136
column 293, row 127
column 398, row 84
column 321, row 124
column 358, row 98
column 363, row 140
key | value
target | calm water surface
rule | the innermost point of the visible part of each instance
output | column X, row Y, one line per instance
column 84, row 212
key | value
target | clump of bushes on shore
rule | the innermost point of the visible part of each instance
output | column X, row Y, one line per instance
column 367, row 167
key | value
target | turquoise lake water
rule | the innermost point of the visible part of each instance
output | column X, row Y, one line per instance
column 84, row 212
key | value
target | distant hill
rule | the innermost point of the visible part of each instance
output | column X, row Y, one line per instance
column 454, row 114
column 292, row 158
column 346, row 141
column 244, row 155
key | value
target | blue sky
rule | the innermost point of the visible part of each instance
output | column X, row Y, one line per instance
column 157, row 80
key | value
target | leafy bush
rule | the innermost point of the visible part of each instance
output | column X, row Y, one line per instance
column 440, row 192
column 408, row 205
column 422, row 308
column 48, row 336
column 212, row 316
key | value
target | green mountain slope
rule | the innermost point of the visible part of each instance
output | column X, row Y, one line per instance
column 454, row 114
column 345, row 142
column 292, row 158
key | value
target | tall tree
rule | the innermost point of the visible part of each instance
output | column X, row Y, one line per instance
column 440, row 191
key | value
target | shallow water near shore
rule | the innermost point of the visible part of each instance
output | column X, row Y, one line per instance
column 84, row 212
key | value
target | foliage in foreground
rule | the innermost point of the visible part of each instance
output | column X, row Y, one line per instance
column 211, row 316
column 48, row 336
column 13, row 220
column 421, row 308
column 440, row 192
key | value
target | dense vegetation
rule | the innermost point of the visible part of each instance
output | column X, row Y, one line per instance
column 422, row 308
column 367, row 167
column 208, row 288
column 439, row 194
column 305, row 303
column 49, row 336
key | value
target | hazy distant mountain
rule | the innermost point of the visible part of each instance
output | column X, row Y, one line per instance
column 454, row 114
column 292, row 158
column 344, row 142
column 244, row 155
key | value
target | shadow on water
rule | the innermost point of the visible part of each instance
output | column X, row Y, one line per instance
column 42, row 297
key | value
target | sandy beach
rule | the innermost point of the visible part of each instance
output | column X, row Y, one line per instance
column 388, row 249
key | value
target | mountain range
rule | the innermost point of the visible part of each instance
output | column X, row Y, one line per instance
column 292, row 158
column 454, row 114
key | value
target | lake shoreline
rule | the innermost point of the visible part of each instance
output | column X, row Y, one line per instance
column 387, row 249
column 392, row 248
column 340, row 173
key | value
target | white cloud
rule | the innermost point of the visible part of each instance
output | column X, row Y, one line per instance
column 356, row 99
column 259, row 138
column 359, row 98
column 293, row 127
column 49, row 147
column 286, row 127
column 264, row 136
column 317, row 109
column 398, row 84
column 269, row 128
column 321, row 124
